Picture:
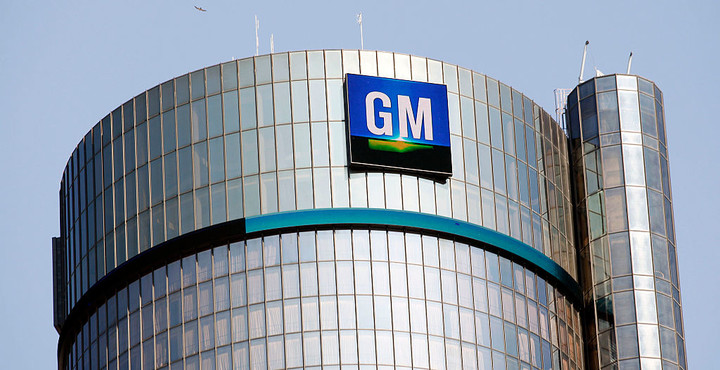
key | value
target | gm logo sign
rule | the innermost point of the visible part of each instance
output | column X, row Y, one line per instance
column 398, row 124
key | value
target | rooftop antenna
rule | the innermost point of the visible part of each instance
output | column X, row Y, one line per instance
column 272, row 44
column 629, row 63
column 257, row 41
column 582, row 66
column 359, row 21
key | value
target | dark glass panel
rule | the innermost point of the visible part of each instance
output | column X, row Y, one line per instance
column 665, row 176
column 199, row 124
column 230, row 112
column 520, row 140
column 217, row 160
column 246, row 72
column 214, row 115
column 616, row 209
column 143, row 190
column 628, row 345
column 197, row 84
column 588, row 113
column 523, row 184
column 185, row 173
column 605, row 83
column 154, row 101
column 505, row 98
column 527, row 110
column 140, row 108
column 132, row 238
column 213, row 80
column 647, row 115
column 168, row 95
column 652, row 169
column 586, row 89
column 229, row 76
column 530, row 140
column 493, row 93
column 620, row 254
column 171, row 218
column 517, row 104
column 200, row 164
column 118, row 167
column 168, row 124
column 171, row 183
column 645, row 86
column 184, row 130
column 508, row 133
column 669, row 224
column 107, row 166
column 117, row 123
column 142, row 144
column 661, row 263
column 158, row 224
column 281, row 71
column 155, row 137
column 574, row 127
column 660, row 122
column 128, row 115
column 106, row 130
column 156, row 181
column 202, row 207
column 129, row 151
column 572, row 99
column 182, row 89
column 130, row 195
column 495, row 128
column 263, row 71
column 608, row 112
column 187, row 215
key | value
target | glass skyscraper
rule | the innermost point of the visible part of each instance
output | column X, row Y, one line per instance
column 625, row 224
column 214, row 222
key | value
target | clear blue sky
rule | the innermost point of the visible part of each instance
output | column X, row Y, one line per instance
column 66, row 64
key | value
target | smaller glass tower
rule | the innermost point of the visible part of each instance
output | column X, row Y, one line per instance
column 627, row 249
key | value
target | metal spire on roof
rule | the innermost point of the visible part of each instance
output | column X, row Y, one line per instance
column 257, row 40
column 359, row 21
column 582, row 66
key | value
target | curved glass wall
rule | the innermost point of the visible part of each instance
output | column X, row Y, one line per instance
column 627, row 247
column 331, row 298
column 267, row 134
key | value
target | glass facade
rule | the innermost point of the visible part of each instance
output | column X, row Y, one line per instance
column 351, row 298
column 267, row 134
column 147, row 274
column 625, row 224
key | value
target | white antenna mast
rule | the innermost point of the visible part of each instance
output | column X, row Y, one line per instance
column 272, row 44
column 629, row 63
column 257, row 40
column 359, row 20
column 582, row 66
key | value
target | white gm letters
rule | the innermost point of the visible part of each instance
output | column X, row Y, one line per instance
column 406, row 116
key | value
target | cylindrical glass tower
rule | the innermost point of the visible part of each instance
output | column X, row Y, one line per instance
column 625, row 229
column 213, row 222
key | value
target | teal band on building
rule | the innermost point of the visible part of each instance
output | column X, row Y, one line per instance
column 430, row 223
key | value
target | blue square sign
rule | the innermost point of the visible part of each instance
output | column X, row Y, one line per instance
column 398, row 124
